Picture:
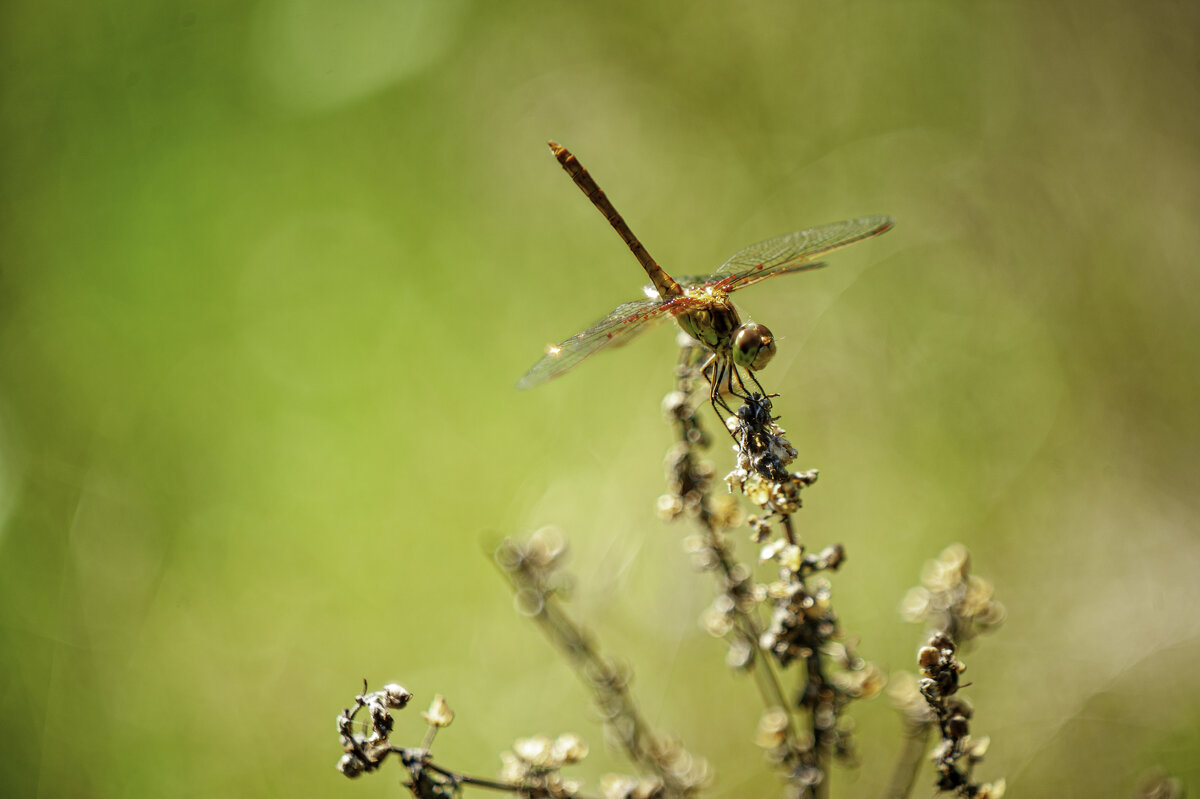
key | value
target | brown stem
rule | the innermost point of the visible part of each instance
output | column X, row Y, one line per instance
column 608, row 685
column 908, row 762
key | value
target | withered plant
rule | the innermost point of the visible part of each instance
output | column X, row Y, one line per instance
column 777, row 621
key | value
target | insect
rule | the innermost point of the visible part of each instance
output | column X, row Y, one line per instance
column 700, row 305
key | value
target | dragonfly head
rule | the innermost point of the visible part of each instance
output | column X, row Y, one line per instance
column 753, row 346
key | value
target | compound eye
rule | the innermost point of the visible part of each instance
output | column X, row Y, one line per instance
column 753, row 346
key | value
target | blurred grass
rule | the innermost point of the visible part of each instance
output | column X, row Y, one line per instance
column 268, row 274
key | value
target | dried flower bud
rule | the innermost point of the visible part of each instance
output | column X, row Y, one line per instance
column 727, row 511
column 760, row 528
column 740, row 654
column 508, row 555
column 617, row 786
column 785, row 497
column 757, row 490
column 561, row 787
column 669, row 506
column 546, row 546
column 928, row 657
column 832, row 556
column 514, row 769
column 351, row 766
column 771, row 550
column 529, row 601
column 675, row 405
column 439, row 713
column 992, row 615
column 717, row 620
column 978, row 748
column 395, row 696
column 536, row 750
column 381, row 720
column 991, row 790
column 916, row 604
column 942, row 641
column 772, row 728
column 871, row 681
column 957, row 727
column 648, row 788
column 569, row 748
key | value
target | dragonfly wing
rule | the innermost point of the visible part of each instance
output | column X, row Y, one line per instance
column 748, row 277
column 615, row 329
column 779, row 255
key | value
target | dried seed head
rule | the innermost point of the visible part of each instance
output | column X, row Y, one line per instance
column 351, row 766
column 439, row 713
column 916, row 604
column 617, row 786
column 545, row 547
column 513, row 768
column 991, row 790
column 772, row 728
column 978, row 748
column 957, row 727
column 381, row 720
column 740, row 654
column 928, row 657
column 395, row 696
column 717, row 619
column 675, row 405
column 942, row 641
column 569, row 748
column 535, row 751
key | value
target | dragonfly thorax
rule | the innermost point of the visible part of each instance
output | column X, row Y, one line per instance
column 711, row 318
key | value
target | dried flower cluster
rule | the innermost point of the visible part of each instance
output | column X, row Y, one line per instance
column 956, row 756
column 956, row 606
column 801, row 629
column 366, row 752
column 952, row 600
column 535, row 764
column 532, row 768
column 776, row 626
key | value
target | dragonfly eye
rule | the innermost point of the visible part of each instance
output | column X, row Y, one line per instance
column 753, row 346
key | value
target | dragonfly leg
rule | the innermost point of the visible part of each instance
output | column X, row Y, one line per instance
column 745, row 395
column 720, row 372
column 759, row 385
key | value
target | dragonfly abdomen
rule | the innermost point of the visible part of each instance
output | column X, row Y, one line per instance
column 666, row 285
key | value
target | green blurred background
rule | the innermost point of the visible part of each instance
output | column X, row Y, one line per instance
column 269, row 272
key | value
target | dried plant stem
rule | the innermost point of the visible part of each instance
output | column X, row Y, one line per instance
column 733, row 578
column 767, row 679
column 478, row 782
column 816, row 685
column 908, row 762
column 419, row 760
column 802, row 733
column 609, row 685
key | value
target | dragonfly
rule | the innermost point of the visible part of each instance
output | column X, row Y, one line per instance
column 700, row 305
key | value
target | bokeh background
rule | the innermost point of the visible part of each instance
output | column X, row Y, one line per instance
column 270, row 270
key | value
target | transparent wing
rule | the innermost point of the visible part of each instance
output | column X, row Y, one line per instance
column 615, row 329
column 747, row 278
column 793, row 252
